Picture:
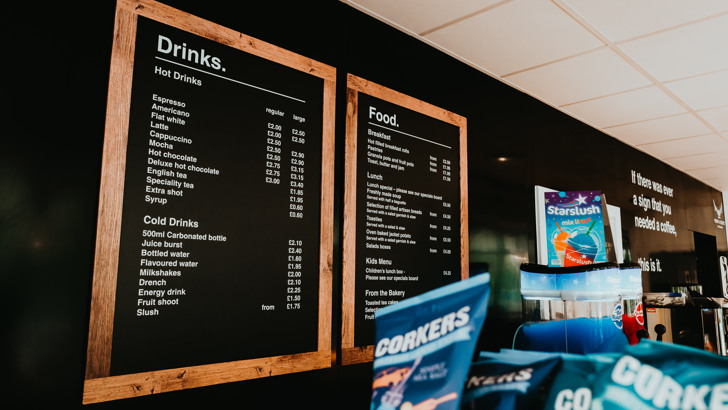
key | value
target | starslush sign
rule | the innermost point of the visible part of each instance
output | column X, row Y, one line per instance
column 575, row 228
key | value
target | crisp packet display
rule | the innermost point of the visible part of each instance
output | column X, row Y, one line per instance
column 505, row 381
column 659, row 375
column 424, row 346
column 649, row 375
column 575, row 380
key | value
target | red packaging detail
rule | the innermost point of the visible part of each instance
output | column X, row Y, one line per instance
column 639, row 315
column 630, row 326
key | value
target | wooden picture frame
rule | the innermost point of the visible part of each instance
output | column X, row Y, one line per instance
column 100, row 385
column 353, row 352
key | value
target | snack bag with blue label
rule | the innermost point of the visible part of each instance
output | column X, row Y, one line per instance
column 425, row 344
column 576, row 379
column 509, row 380
column 649, row 375
column 663, row 376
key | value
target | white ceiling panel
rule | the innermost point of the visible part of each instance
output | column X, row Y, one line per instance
column 661, row 129
column 621, row 20
column 713, row 173
column 419, row 16
column 717, row 117
column 703, row 92
column 686, row 146
column 626, row 108
column 692, row 162
column 586, row 76
column 683, row 52
column 716, row 182
column 651, row 73
column 492, row 41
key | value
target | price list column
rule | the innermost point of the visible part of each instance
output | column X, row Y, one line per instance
column 285, row 167
column 444, row 228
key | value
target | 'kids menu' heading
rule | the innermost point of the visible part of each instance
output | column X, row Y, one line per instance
column 575, row 228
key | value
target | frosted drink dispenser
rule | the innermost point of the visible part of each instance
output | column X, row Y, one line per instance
column 570, row 309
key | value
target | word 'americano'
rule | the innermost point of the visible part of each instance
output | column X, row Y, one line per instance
column 166, row 46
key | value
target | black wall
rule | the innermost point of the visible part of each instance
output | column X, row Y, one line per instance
column 50, row 160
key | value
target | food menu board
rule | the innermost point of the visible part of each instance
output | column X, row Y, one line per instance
column 224, row 247
column 405, row 207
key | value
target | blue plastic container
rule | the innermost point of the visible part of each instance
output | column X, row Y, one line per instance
column 571, row 310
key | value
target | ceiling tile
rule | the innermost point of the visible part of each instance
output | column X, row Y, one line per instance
column 717, row 117
column 661, row 129
column 713, row 173
column 515, row 36
column 620, row 20
column 711, row 159
column 594, row 74
column 703, row 92
column 541, row 49
column 686, row 146
column 683, row 52
column 421, row 15
column 626, row 108
column 721, row 184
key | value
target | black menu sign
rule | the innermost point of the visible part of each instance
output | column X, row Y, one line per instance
column 223, row 210
column 405, row 213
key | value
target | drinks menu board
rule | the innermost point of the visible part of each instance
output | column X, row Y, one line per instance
column 405, row 229
column 224, row 247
